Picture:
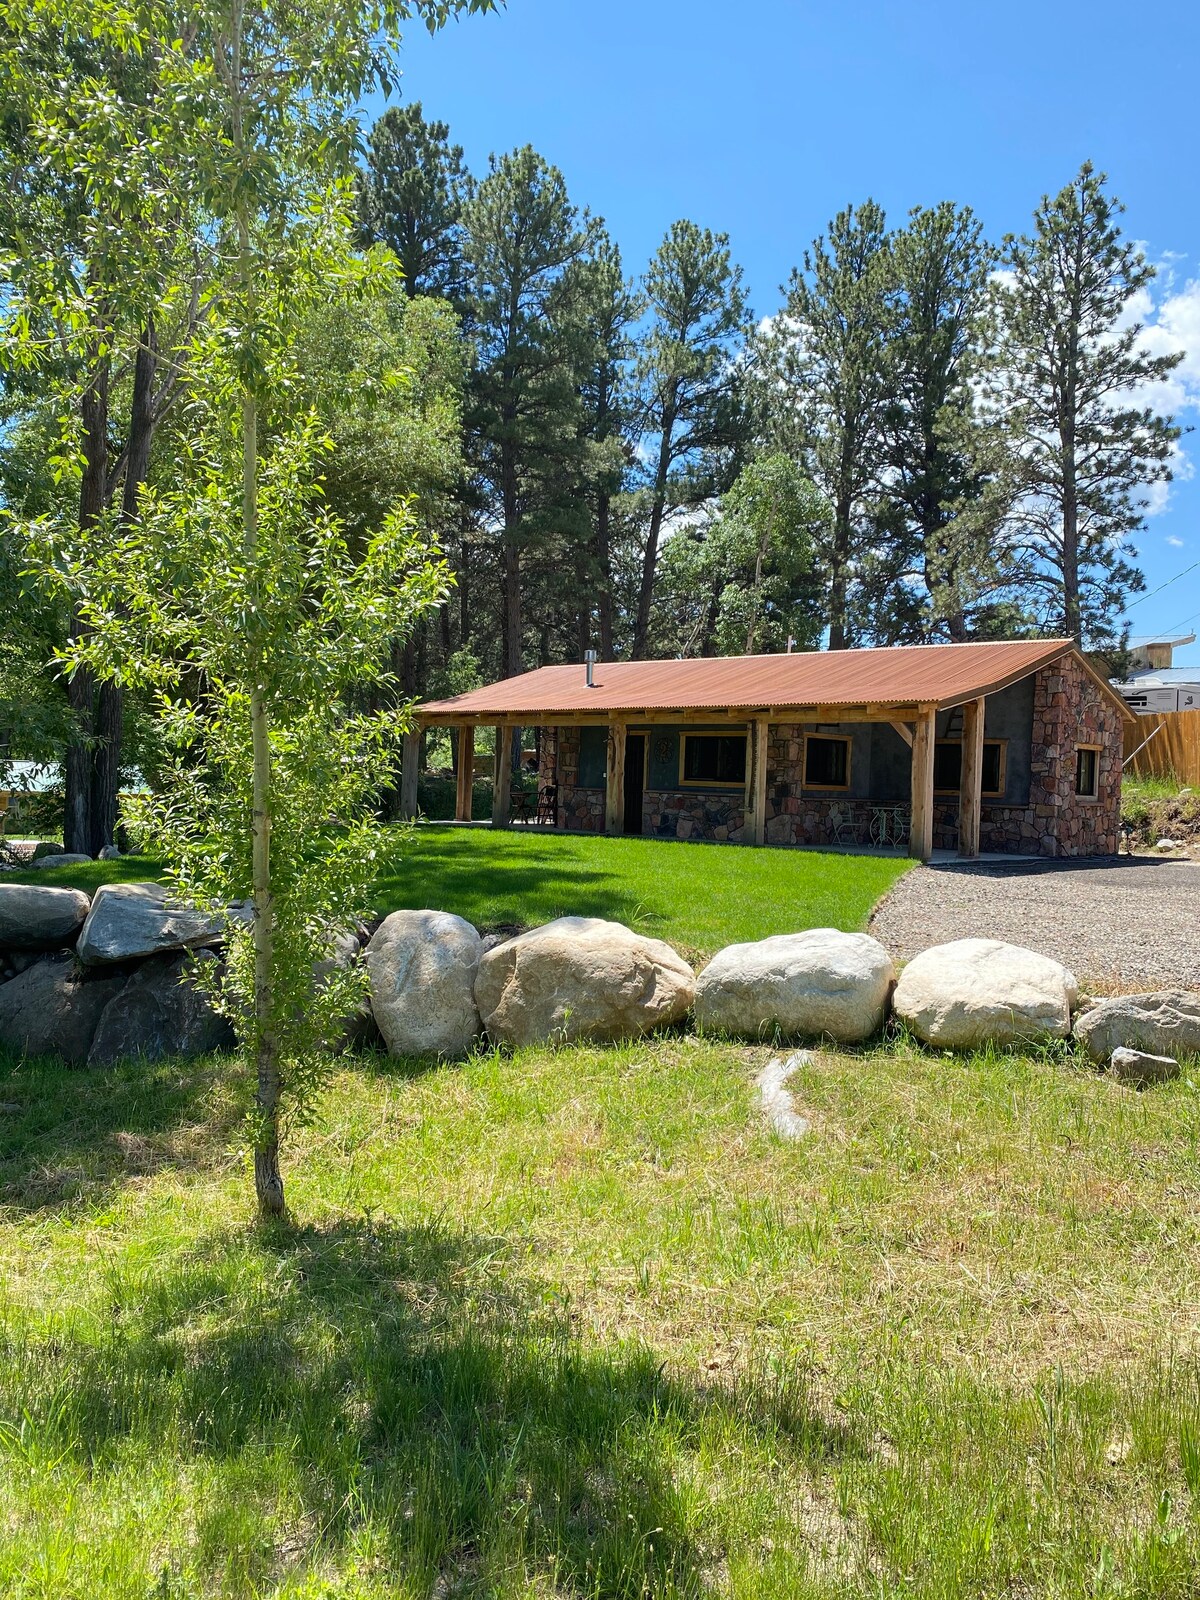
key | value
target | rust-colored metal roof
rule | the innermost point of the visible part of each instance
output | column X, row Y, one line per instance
column 905, row 675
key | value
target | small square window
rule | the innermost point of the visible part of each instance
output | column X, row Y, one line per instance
column 826, row 762
column 1087, row 772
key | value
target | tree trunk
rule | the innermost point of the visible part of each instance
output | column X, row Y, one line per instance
column 604, row 600
column 93, row 495
column 268, row 1182
column 513, row 662
column 641, row 631
column 110, row 698
column 839, row 574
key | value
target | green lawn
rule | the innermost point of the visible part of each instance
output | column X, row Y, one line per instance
column 574, row 1324
column 696, row 896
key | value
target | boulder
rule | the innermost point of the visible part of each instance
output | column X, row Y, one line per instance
column 973, row 992
column 1165, row 1022
column 358, row 1030
column 47, row 847
column 131, row 920
column 581, row 978
column 158, row 1013
column 54, row 1007
column 422, row 967
column 818, row 982
column 61, row 858
column 1140, row 1070
column 33, row 918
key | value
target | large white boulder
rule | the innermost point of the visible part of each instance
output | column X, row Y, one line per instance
column 131, row 920
column 422, row 967
column 821, row 981
column 973, row 992
column 34, row 918
column 581, row 978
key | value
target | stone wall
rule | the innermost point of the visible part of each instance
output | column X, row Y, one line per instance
column 579, row 810
column 694, row 814
column 1069, row 710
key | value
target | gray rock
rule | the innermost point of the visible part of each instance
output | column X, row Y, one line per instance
column 581, row 978
column 359, row 1031
column 131, row 920
column 422, row 967
column 33, row 918
column 972, row 992
column 821, row 981
column 53, row 1008
column 160, row 1013
column 109, row 853
column 1141, row 1070
column 1165, row 1022
column 61, row 858
column 47, row 847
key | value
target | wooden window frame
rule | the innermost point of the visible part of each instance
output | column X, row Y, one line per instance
column 715, row 783
column 827, row 788
column 984, row 794
column 1097, row 750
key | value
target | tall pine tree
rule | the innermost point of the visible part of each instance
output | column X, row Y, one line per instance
column 411, row 195
column 693, row 418
column 1075, row 443
column 826, row 386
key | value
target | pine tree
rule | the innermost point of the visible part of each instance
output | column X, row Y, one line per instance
column 603, row 309
column 411, row 195
column 933, row 562
column 1075, row 442
column 825, row 365
column 521, row 234
column 693, row 412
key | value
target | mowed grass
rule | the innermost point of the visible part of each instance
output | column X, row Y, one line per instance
column 696, row 896
column 574, row 1323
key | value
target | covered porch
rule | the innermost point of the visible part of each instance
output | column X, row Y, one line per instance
column 905, row 821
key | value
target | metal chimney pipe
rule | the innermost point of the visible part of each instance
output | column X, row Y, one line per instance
column 589, row 661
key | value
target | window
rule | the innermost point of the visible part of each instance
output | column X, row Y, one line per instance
column 712, row 760
column 826, row 762
column 1087, row 771
column 947, row 766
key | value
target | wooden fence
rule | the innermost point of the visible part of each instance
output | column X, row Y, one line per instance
column 1175, row 747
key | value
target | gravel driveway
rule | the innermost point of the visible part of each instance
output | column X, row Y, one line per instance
column 1131, row 923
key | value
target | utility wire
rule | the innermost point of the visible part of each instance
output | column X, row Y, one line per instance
column 1150, row 595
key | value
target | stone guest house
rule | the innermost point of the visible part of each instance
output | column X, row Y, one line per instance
column 1011, row 746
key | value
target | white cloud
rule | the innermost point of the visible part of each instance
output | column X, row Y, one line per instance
column 1174, row 542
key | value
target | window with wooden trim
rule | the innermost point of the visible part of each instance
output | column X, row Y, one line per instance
column 712, row 760
column 1087, row 771
column 826, row 761
column 947, row 766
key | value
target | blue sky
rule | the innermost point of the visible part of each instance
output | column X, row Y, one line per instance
column 764, row 118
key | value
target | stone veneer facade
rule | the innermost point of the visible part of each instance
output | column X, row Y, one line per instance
column 1069, row 710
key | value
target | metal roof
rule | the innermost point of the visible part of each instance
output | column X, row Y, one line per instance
column 1162, row 678
column 933, row 674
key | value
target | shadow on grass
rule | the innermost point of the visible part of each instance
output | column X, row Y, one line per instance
column 419, row 1403
column 527, row 883
column 68, row 1135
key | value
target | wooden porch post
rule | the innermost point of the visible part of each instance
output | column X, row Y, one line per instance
column 466, row 773
column 970, row 783
column 756, row 822
column 410, row 760
column 502, row 778
column 920, row 841
column 614, row 782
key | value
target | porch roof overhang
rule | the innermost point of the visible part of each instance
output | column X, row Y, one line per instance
column 895, row 683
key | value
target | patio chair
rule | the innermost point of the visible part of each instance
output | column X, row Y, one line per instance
column 547, row 806
column 518, row 796
column 848, row 829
